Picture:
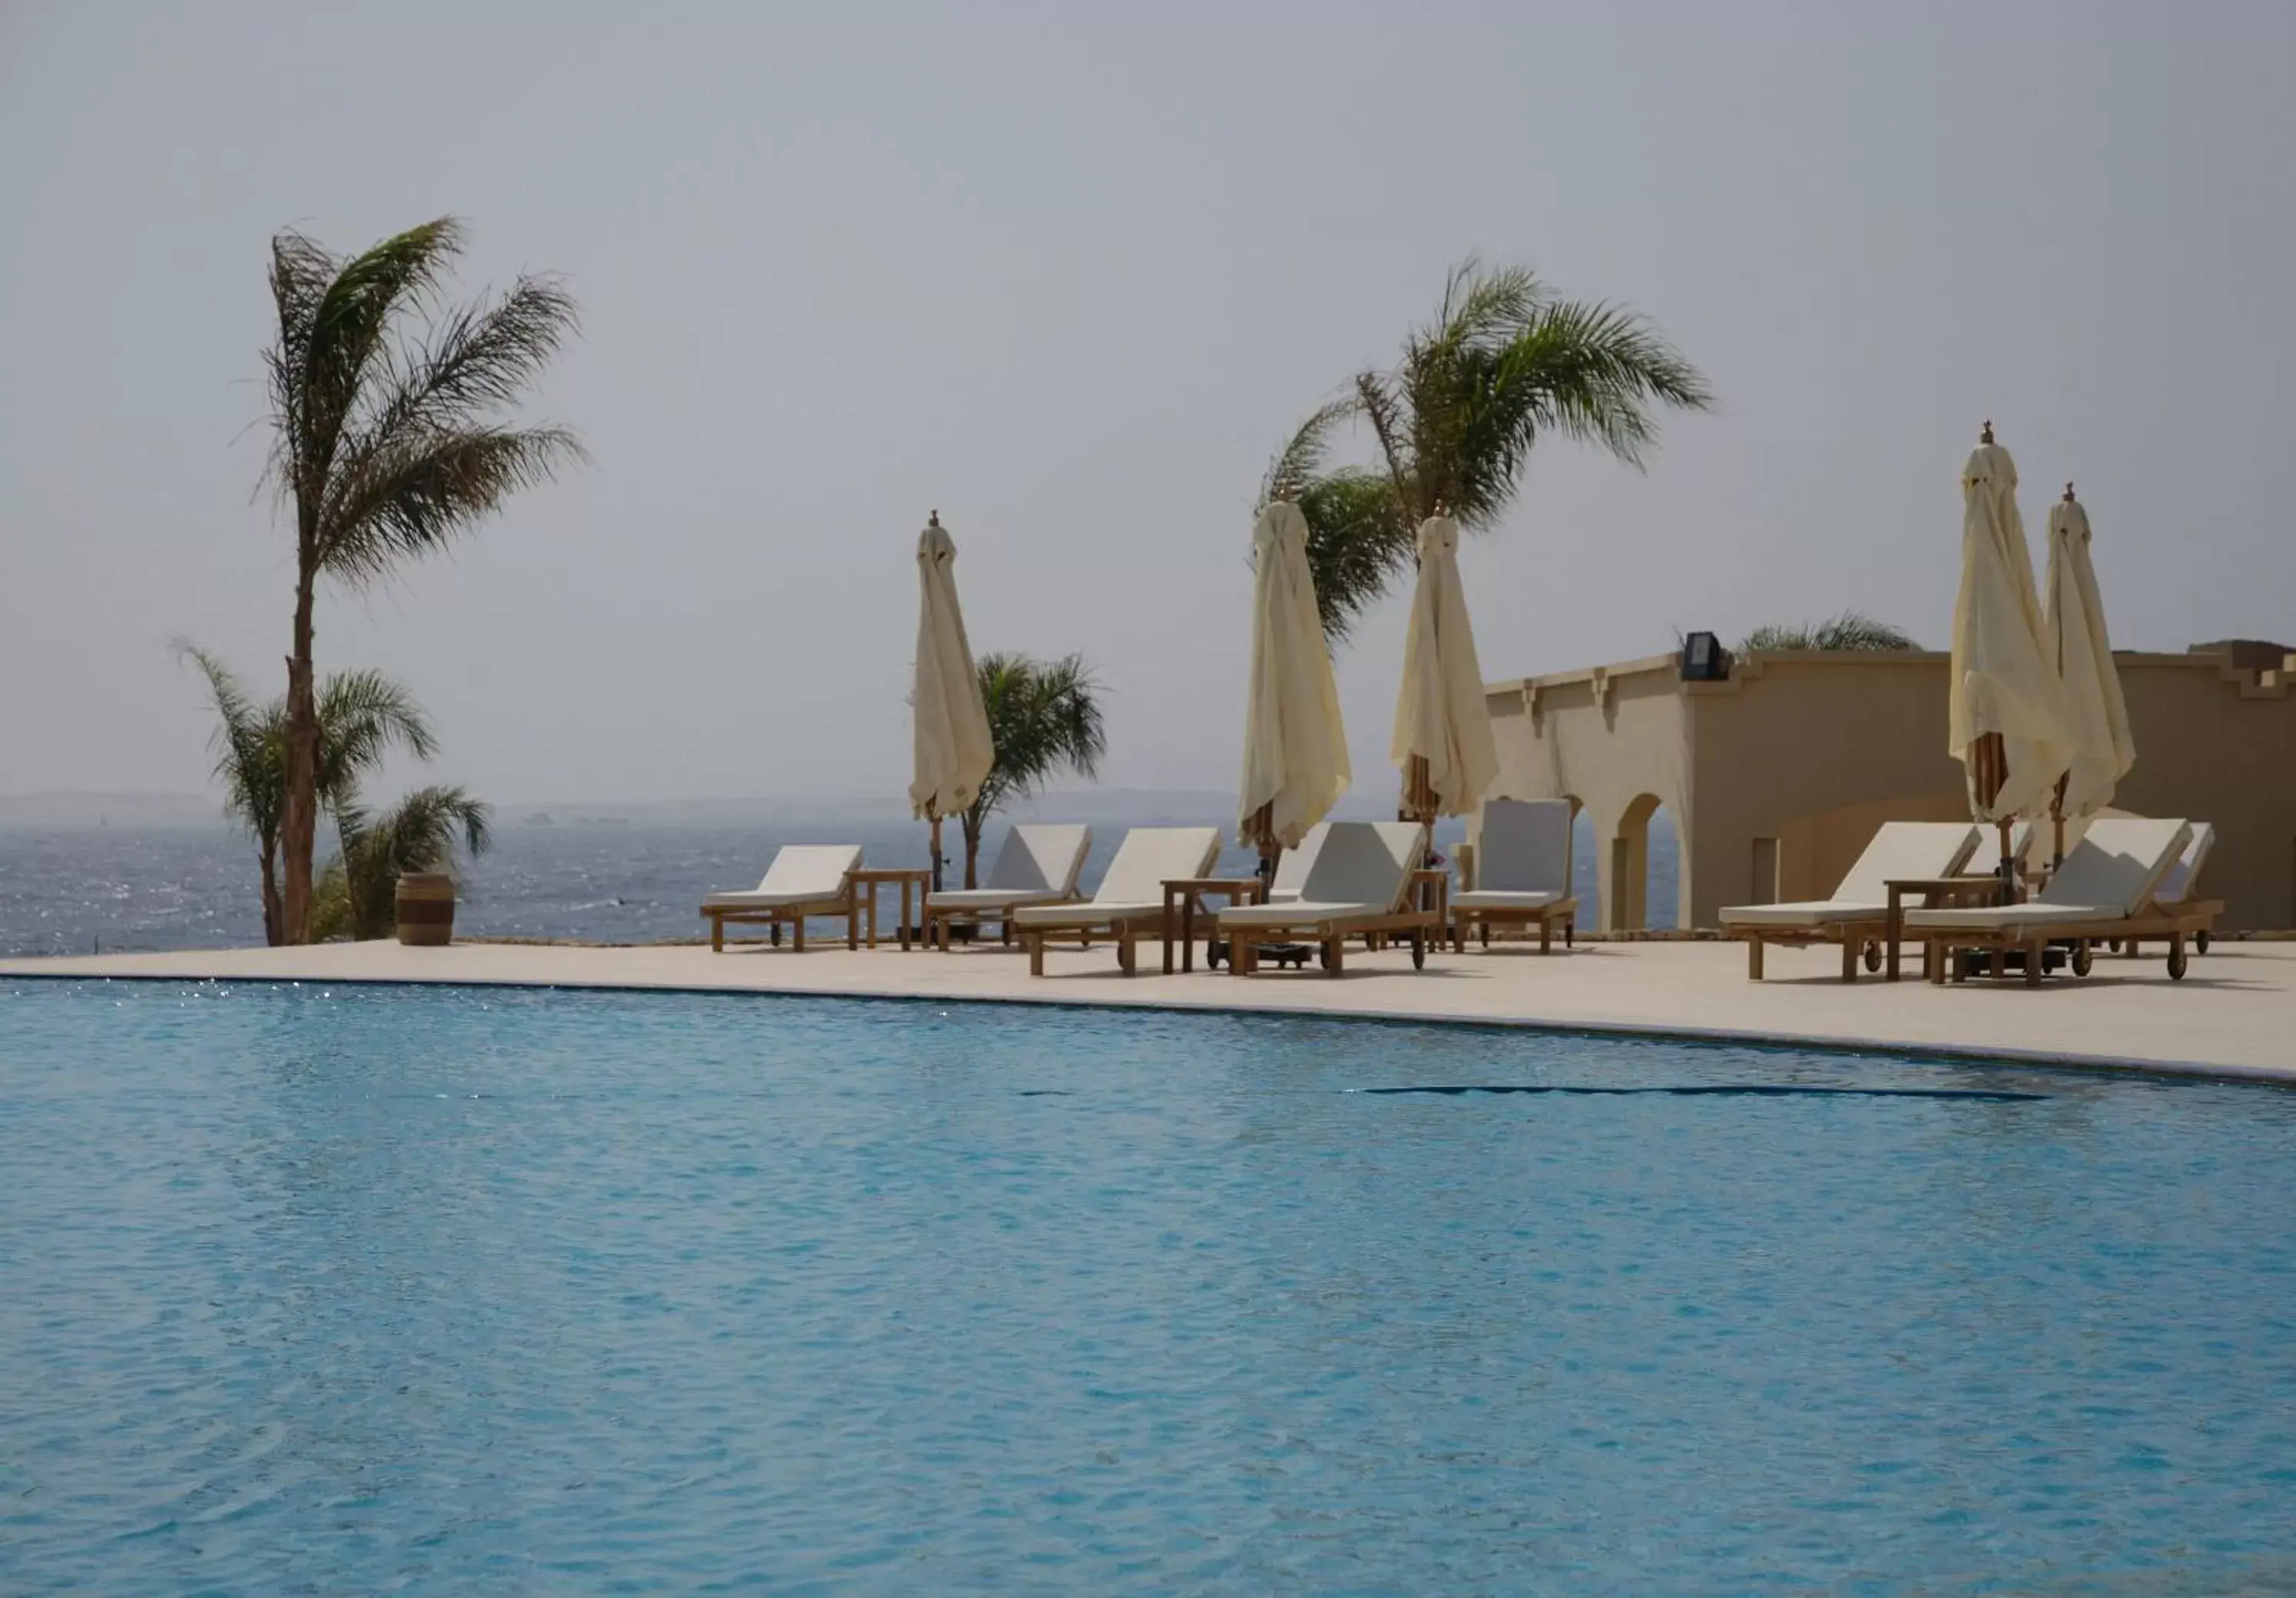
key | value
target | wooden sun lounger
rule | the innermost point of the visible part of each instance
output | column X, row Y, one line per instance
column 795, row 886
column 1129, row 903
column 1364, row 883
column 1522, row 873
column 2106, row 889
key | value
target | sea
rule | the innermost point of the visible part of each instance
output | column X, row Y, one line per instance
column 123, row 888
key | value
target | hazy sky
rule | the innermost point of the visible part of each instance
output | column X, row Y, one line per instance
column 1071, row 273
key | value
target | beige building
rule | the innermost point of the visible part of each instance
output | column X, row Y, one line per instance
column 1776, row 777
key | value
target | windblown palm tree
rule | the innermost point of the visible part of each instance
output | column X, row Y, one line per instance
column 1504, row 364
column 355, row 895
column 363, row 717
column 389, row 442
column 1043, row 717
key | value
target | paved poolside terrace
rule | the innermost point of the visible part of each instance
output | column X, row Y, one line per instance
column 2234, row 1015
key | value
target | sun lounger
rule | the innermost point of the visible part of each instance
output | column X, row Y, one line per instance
column 1858, row 913
column 2104, row 890
column 1365, row 879
column 1522, row 872
column 2180, row 887
column 805, row 879
column 1038, row 865
column 1129, row 903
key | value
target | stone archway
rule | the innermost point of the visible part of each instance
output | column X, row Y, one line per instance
column 1626, row 899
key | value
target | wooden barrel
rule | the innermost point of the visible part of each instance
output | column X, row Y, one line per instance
column 426, row 908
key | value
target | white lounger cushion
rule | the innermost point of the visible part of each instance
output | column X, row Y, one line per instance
column 1038, row 865
column 1502, row 898
column 2177, row 882
column 1297, row 912
column 1900, row 851
column 1363, row 869
column 1524, row 848
column 1803, row 913
column 1089, row 913
column 2108, row 876
column 801, row 873
column 1292, row 866
column 1133, row 886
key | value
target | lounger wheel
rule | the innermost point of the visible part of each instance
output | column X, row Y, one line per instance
column 1872, row 957
column 2084, row 958
column 2176, row 960
column 2200, row 943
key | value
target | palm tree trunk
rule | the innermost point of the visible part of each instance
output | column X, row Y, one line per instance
column 973, row 820
column 299, row 816
column 273, row 933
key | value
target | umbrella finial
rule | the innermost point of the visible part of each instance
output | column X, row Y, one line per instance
column 933, row 520
column 1985, row 434
column 2069, row 492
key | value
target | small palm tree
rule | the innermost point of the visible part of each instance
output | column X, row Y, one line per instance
column 389, row 443
column 1848, row 631
column 363, row 717
column 1504, row 364
column 1043, row 717
column 355, row 895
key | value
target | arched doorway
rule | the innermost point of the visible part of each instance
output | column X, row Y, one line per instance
column 1645, row 875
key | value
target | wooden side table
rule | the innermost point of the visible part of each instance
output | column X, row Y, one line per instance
column 1934, row 892
column 866, row 883
column 1180, row 896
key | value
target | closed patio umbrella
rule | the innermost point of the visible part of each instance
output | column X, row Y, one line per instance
column 2007, row 714
column 2102, row 751
column 1442, row 742
column 953, row 749
column 1295, row 747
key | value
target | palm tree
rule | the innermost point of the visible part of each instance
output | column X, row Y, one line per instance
column 363, row 717
column 355, row 895
column 1504, row 364
column 1043, row 717
column 389, row 442
column 1848, row 631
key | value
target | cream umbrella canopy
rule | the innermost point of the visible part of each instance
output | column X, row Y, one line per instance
column 953, row 751
column 2007, row 714
column 1295, row 746
column 1442, row 741
column 2078, row 647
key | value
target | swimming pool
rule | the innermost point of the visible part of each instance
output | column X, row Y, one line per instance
column 366, row 1288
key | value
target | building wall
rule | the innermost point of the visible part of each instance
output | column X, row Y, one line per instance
column 1616, row 740
column 1793, row 738
column 1784, row 770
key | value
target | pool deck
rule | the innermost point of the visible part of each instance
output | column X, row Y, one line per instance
column 2234, row 1015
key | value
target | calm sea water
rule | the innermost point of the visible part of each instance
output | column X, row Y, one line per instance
column 69, row 890
column 436, row 1291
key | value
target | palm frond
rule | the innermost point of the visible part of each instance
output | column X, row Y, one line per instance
column 1043, row 717
column 1296, row 466
column 1359, row 540
column 363, row 715
column 1851, row 630
column 418, row 492
column 478, row 361
column 249, row 745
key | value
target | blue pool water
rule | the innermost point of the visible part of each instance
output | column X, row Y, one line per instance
column 378, row 1290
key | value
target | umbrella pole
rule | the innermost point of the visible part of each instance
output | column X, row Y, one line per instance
column 934, row 818
column 2057, row 819
column 1988, row 772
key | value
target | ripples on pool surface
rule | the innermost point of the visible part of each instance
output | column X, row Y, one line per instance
column 356, row 1290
